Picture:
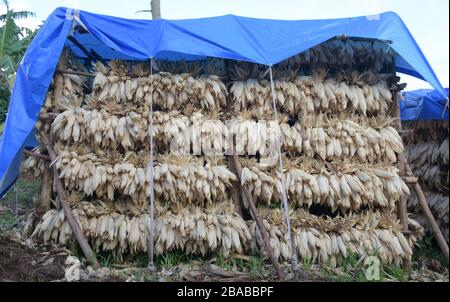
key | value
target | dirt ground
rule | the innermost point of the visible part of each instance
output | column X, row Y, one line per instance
column 21, row 263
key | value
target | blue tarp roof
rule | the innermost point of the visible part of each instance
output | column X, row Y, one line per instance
column 424, row 104
column 229, row 37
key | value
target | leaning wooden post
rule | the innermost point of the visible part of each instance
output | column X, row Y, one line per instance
column 259, row 223
column 429, row 216
column 78, row 233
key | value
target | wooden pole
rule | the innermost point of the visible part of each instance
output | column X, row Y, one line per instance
column 37, row 155
column 259, row 223
column 235, row 192
column 428, row 215
column 48, row 115
column 156, row 9
column 79, row 236
column 45, row 196
column 80, row 73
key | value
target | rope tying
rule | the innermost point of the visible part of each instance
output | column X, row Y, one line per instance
column 151, row 264
column 292, row 247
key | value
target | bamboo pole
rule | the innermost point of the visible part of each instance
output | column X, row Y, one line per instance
column 79, row 236
column 262, row 230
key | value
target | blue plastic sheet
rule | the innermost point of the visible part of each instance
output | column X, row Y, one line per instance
column 230, row 37
column 424, row 104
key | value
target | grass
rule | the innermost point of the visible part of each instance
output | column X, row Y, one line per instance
column 25, row 189
column 428, row 248
column 306, row 264
column 353, row 270
column 254, row 266
column 7, row 220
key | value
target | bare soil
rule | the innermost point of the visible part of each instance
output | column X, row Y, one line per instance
column 20, row 263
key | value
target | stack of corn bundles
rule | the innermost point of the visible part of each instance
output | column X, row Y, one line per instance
column 427, row 151
column 102, row 145
column 340, row 152
column 338, row 143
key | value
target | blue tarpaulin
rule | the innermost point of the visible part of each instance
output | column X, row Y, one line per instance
column 229, row 37
column 424, row 104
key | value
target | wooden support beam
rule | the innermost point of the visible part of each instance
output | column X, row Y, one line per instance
column 410, row 179
column 262, row 230
column 235, row 192
column 405, row 132
column 78, row 233
column 37, row 155
column 92, row 56
column 48, row 115
column 429, row 216
column 80, row 73
column 45, row 196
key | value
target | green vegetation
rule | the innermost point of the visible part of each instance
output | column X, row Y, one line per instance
column 14, row 41
column 7, row 220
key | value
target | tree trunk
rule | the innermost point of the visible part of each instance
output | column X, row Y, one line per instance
column 156, row 9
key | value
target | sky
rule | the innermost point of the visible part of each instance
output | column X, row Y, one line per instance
column 428, row 21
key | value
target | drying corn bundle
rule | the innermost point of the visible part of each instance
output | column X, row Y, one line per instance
column 375, row 56
column 438, row 204
column 330, row 240
column 190, row 228
column 112, row 127
column 336, row 56
column 184, row 179
column 427, row 151
column 343, row 185
column 429, row 160
column 307, row 94
column 163, row 89
column 33, row 165
column 330, row 138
